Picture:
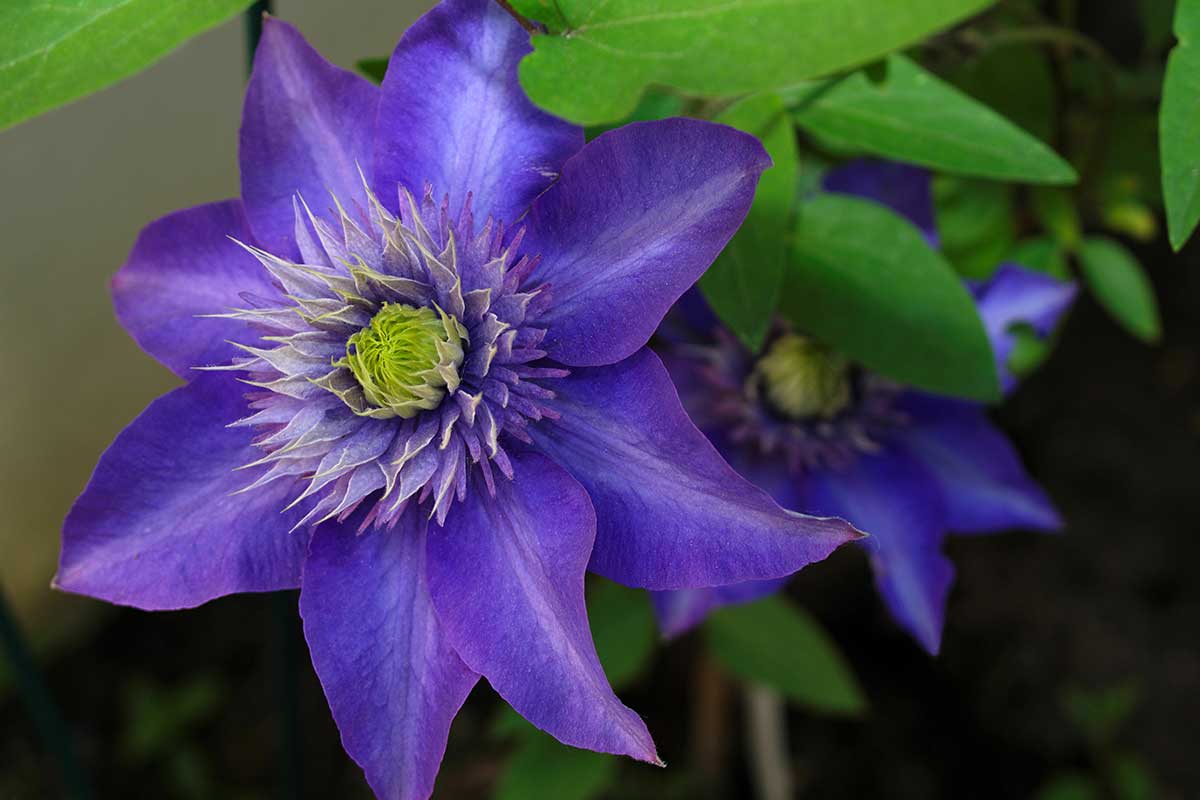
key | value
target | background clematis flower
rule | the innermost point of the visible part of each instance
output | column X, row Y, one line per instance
column 827, row 437
column 424, row 396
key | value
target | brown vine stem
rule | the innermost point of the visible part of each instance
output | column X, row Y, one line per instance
column 524, row 23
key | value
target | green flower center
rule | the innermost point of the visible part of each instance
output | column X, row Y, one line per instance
column 802, row 378
column 406, row 359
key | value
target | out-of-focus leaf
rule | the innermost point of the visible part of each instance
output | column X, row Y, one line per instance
column 543, row 768
column 914, row 116
column 1156, row 23
column 1179, row 127
column 1071, row 786
column 1055, row 210
column 159, row 718
column 373, row 68
column 1017, row 83
column 1131, row 779
column 1121, row 285
column 743, row 285
column 1131, row 218
column 605, row 54
column 1131, row 164
column 1099, row 714
column 1042, row 254
column 864, row 280
column 1029, row 351
column 623, row 629
column 975, row 223
column 52, row 53
column 655, row 104
column 774, row 643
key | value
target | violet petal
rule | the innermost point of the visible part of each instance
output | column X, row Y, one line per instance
column 671, row 514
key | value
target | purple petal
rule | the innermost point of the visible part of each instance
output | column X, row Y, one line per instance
column 307, row 127
column 506, row 576
column 454, row 115
column 636, row 218
column 680, row 611
column 901, row 505
column 182, row 266
column 158, row 526
column 671, row 514
column 1018, row 295
column 986, row 488
column 392, row 680
column 905, row 189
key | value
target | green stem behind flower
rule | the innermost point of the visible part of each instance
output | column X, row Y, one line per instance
column 43, row 710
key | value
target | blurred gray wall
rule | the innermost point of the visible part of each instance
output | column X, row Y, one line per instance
column 76, row 186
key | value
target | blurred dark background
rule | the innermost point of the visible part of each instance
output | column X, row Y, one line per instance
column 1064, row 657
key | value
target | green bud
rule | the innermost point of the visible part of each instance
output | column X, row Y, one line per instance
column 802, row 378
column 406, row 359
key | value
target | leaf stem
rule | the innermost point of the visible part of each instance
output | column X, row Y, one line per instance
column 46, row 717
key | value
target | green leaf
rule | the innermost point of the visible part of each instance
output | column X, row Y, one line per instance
column 655, row 104
column 541, row 767
column 915, row 117
column 1179, row 127
column 52, row 53
column 864, row 280
column 773, row 642
column 623, row 629
column 373, row 68
column 607, row 53
column 743, row 285
column 975, row 223
column 1121, row 286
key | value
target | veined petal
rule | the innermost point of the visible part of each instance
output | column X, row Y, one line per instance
column 393, row 682
column 454, row 115
column 671, row 514
column 893, row 497
column 636, row 218
column 158, row 526
column 905, row 189
column 985, row 486
column 181, row 267
column 307, row 127
column 681, row 610
column 506, row 575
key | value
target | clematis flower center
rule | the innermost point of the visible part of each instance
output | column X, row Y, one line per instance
column 802, row 378
column 407, row 358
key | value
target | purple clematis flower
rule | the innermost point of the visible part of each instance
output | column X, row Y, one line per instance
column 427, row 402
column 824, row 436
